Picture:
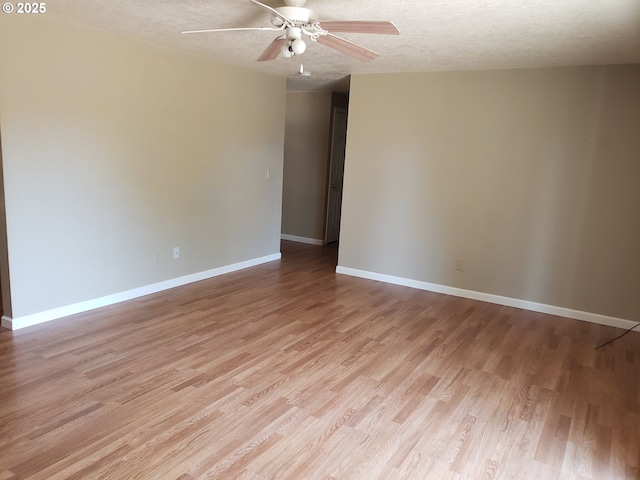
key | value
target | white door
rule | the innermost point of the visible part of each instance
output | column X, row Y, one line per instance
column 336, row 173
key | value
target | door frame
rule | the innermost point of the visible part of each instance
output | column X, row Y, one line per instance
column 331, row 168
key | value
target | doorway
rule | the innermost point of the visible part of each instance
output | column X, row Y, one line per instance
column 336, row 173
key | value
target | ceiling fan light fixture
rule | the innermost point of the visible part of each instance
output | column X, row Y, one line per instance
column 286, row 51
column 298, row 46
column 294, row 33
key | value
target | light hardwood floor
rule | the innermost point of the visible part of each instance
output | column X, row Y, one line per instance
column 289, row 371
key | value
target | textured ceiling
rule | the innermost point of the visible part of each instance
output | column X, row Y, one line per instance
column 434, row 34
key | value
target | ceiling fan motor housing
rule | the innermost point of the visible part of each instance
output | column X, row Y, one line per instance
column 295, row 3
column 298, row 15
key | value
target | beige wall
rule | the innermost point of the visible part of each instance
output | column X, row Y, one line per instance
column 115, row 151
column 306, row 153
column 531, row 177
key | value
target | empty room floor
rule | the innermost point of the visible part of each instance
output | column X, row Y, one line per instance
column 290, row 371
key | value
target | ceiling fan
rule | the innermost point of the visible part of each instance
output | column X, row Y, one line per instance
column 294, row 21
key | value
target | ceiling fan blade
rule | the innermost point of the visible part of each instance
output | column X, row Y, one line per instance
column 273, row 50
column 271, row 29
column 272, row 11
column 348, row 48
column 381, row 28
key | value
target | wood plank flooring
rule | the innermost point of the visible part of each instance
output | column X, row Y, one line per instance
column 289, row 371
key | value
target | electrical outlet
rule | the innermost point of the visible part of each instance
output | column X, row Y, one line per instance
column 176, row 252
column 268, row 174
column 459, row 265
column 157, row 258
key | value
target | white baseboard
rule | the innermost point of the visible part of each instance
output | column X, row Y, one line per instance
column 490, row 298
column 294, row 238
column 41, row 317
